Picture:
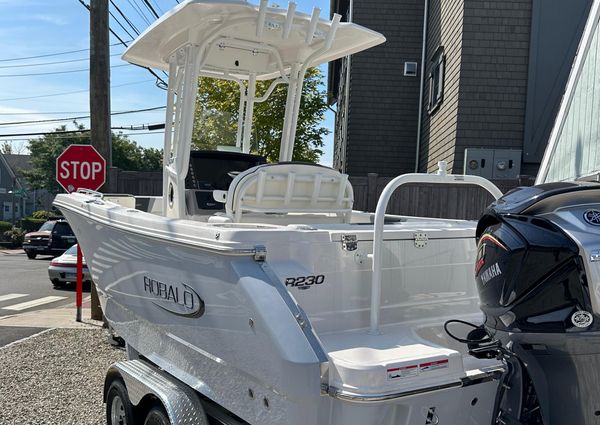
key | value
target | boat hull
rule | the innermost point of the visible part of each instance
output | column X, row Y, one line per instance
column 222, row 322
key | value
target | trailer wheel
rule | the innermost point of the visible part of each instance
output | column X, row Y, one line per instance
column 118, row 407
column 157, row 416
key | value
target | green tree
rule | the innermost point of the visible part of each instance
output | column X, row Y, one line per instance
column 216, row 117
column 6, row 148
column 128, row 155
column 44, row 150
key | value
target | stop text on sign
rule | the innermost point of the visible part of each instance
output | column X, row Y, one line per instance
column 80, row 167
column 80, row 170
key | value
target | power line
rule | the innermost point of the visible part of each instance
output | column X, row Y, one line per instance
column 149, row 127
column 80, row 112
column 81, row 136
column 133, row 27
column 70, row 92
column 160, row 83
column 56, row 72
column 149, row 6
column 139, row 11
column 158, row 7
column 47, row 132
column 51, row 63
column 51, row 54
column 44, row 133
column 134, row 111
column 120, row 24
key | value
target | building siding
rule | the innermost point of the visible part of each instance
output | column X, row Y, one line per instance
column 439, row 129
column 499, row 91
column 383, row 105
column 494, row 74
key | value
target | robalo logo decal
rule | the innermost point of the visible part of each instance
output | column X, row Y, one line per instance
column 176, row 298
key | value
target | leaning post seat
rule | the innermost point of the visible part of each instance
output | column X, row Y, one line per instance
column 288, row 187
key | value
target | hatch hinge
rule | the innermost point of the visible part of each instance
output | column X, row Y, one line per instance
column 421, row 239
column 260, row 253
column 349, row 242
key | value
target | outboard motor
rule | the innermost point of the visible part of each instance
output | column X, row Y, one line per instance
column 538, row 276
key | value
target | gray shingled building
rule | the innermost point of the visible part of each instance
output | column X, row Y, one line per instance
column 493, row 78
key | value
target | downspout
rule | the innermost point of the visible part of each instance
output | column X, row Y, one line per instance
column 422, row 85
column 346, row 98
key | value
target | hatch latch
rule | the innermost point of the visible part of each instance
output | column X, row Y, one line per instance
column 349, row 242
column 421, row 239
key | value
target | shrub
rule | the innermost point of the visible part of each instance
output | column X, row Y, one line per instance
column 15, row 236
column 29, row 224
column 5, row 226
column 42, row 215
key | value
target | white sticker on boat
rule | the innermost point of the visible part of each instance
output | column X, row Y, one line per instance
column 394, row 373
column 431, row 366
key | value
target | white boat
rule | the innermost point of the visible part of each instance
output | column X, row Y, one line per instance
column 286, row 306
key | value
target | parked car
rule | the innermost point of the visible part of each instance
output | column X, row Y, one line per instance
column 63, row 269
column 53, row 238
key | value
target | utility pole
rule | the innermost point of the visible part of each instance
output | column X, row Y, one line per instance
column 100, row 81
column 100, row 100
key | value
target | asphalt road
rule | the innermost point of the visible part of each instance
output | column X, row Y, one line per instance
column 25, row 287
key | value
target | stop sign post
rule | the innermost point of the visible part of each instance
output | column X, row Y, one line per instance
column 80, row 167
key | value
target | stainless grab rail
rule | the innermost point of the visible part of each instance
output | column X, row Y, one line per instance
column 442, row 178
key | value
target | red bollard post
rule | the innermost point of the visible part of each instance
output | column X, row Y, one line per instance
column 79, row 287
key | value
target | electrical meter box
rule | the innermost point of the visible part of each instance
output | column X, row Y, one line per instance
column 502, row 164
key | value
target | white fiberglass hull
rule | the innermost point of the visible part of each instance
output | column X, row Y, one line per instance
column 224, row 323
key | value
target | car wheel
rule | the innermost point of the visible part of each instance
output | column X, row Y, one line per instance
column 31, row 254
column 157, row 416
column 119, row 410
column 57, row 283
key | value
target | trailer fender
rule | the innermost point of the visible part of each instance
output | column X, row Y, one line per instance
column 141, row 379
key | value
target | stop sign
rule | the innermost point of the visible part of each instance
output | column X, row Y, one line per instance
column 80, row 167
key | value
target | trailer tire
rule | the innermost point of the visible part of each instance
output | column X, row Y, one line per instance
column 119, row 410
column 157, row 415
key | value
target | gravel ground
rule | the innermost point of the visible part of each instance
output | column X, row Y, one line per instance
column 56, row 378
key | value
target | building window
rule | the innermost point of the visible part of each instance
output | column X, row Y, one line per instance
column 436, row 80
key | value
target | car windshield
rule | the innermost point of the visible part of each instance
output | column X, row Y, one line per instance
column 72, row 250
column 47, row 226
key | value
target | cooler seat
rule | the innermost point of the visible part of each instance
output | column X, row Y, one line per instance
column 284, row 188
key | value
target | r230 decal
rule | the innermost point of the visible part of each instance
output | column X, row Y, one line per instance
column 304, row 282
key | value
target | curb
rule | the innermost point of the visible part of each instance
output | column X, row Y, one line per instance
column 11, row 252
column 59, row 317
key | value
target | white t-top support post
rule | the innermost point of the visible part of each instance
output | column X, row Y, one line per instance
column 442, row 178
column 250, row 98
column 240, row 123
column 294, row 97
column 289, row 112
column 183, row 81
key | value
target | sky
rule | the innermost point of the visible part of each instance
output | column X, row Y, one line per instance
column 44, row 69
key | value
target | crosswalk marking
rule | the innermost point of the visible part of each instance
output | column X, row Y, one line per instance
column 34, row 303
column 11, row 296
